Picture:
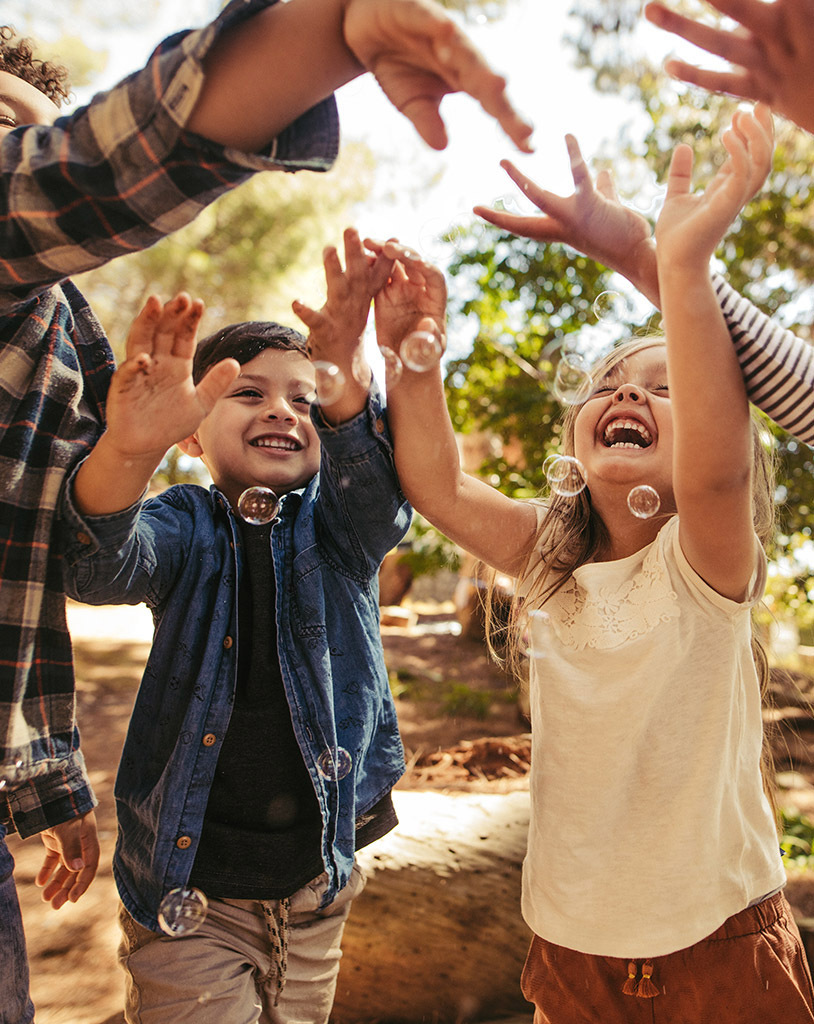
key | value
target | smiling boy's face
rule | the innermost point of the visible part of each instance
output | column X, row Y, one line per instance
column 259, row 433
column 22, row 103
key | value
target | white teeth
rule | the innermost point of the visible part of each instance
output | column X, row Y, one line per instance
column 276, row 442
column 617, row 434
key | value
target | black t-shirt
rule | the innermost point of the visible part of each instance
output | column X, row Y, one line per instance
column 262, row 830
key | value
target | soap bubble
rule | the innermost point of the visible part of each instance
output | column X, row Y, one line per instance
column 566, row 476
column 420, row 351
column 258, row 505
column 330, row 382
column 182, row 911
column 612, row 307
column 392, row 364
column 572, row 381
column 643, row 501
column 334, row 764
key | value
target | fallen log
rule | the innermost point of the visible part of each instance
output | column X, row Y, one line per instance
column 437, row 934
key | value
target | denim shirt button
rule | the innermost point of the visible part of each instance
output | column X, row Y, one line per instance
column 380, row 425
column 183, row 842
column 209, row 740
column 227, row 642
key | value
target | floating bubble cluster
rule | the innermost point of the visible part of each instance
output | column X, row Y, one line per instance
column 334, row 764
column 258, row 505
column 182, row 911
column 643, row 501
column 565, row 475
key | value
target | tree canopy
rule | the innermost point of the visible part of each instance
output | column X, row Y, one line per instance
column 525, row 304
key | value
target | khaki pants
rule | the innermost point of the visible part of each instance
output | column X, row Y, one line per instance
column 751, row 970
column 225, row 972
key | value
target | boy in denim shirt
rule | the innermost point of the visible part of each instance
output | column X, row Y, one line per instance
column 263, row 744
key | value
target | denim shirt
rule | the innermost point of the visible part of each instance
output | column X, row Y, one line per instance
column 112, row 178
column 180, row 553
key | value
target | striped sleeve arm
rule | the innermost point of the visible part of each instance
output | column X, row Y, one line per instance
column 777, row 366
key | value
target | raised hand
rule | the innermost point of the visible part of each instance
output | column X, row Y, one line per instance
column 418, row 56
column 592, row 220
column 691, row 225
column 71, row 860
column 152, row 404
column 414, row 298
column 153, row 401
column 335, row 332
column 771, row 53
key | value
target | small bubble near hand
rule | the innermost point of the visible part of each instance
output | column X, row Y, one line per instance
column 612, row 307
column 420, row 351
column 182, row 911
column 258, row 505
column 643, row 501
column 392, row 364
column 330, row 382
column 566, row 476
column 334, row 764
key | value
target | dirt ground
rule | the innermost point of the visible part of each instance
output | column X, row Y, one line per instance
column 462, row 725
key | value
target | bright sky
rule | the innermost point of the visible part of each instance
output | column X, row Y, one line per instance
column 419, row 190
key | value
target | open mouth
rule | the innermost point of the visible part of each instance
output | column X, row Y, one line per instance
column 626, row 433
column 282, row 444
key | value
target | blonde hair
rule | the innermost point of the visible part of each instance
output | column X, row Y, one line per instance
column 571, row 533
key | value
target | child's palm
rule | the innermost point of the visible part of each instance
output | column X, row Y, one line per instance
column 693, row 225
column 592, row 220
column 153, row 402
column 414, row 297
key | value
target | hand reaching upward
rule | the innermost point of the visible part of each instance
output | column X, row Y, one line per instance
column 691, row 225
column 771, row 52
column 592, row 220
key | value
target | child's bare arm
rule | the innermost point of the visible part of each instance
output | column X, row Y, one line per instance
column 414, row 49
column 771, row 52
column 152, row 404
column 712, row 434
column 335, row 332
column 469, row 511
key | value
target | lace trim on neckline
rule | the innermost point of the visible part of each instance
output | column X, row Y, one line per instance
column 609, row 615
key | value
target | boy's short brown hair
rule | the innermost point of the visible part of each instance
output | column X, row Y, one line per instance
column 17, row 58
column 243, row 342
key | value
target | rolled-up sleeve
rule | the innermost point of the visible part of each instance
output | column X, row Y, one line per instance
column 120, row 173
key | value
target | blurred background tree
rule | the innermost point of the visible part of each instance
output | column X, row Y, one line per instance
column 526, row 304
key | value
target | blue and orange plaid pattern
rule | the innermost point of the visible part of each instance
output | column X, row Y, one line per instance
column 114, row 177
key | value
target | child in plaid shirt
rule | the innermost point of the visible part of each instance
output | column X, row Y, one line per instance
column 136, row 164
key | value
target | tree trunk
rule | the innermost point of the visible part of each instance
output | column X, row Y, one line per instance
column 437, row 934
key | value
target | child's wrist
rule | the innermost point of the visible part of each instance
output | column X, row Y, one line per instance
column 122, row 455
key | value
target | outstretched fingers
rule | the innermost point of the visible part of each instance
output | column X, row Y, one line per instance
column 215, row 382
column 170, row 328
column 679, row 176
column 464, row 69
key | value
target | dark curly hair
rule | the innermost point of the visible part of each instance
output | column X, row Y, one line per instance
column 17, row 57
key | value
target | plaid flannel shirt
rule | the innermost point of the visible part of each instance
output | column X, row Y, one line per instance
column 113, row 178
